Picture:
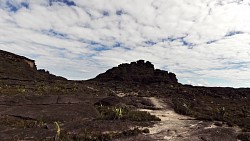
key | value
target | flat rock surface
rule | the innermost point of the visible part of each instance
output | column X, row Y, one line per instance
column 33, row 117
column 42, row 110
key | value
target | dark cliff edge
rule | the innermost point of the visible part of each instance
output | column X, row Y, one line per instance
column 16, row 67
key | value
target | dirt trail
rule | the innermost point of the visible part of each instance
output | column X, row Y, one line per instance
column 176, row 127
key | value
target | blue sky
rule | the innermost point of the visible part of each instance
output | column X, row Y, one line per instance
column 205, row 42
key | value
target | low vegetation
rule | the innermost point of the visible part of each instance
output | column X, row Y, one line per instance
column 123, row 113
column 98, row 136
column 18, row 122
column 233, row 111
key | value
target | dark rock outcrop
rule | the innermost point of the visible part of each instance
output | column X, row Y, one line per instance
column 138, row 72
column 19, row 68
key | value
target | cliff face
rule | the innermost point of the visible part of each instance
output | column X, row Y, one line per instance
column 17, row 58
column 15, row 67
column 138, row 72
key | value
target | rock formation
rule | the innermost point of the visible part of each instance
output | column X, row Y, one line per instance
column 17, row 58
column 16, row 67
column 138, row 72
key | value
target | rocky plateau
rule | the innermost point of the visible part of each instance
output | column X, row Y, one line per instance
column 130, row 102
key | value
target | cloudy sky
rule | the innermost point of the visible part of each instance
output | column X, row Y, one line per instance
column 205, row 42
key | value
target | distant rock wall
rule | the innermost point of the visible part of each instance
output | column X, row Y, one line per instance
column 17, row 58
column 16, row 67
column 140, row 71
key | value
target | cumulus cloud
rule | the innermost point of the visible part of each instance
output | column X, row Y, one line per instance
column 205, row 42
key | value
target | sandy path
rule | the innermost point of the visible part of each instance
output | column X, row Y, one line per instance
column 176, row 127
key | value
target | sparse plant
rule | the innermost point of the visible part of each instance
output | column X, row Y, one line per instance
column 244, row 111
column 220, row 113
column 244, row 137
column 124, row 113
column 20, row 123
column 118, row 112
column 57, row 137
column 21, row 90
column 187, row 108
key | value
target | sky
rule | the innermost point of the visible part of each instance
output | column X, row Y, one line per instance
column 204, row 42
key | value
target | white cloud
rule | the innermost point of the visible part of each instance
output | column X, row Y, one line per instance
column 203, row 41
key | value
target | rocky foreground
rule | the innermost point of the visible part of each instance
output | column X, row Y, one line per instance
column 129, row 102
